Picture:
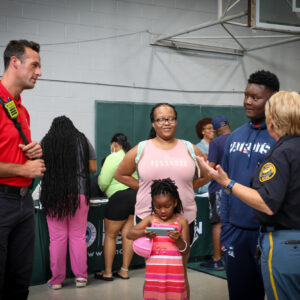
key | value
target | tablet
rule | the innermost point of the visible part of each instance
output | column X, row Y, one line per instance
column 161, row 231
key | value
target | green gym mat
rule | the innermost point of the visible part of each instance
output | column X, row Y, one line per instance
column 196, row 266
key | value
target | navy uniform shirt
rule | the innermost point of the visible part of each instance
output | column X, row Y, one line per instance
column 277, row 180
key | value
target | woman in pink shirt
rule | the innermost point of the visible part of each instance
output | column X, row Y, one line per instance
column 163, row 156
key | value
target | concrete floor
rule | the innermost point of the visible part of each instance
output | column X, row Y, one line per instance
column 203, row 286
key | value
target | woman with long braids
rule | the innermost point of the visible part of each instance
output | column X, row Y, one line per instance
column 65, row 190
column 119, row 211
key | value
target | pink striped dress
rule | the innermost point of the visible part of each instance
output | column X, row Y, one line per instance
column 164, row 279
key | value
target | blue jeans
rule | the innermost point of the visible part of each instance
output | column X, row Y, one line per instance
column 16, row 245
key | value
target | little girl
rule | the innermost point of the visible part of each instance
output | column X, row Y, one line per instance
column 164, row 268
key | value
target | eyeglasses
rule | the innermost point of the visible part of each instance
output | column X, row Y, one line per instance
column 162, row 121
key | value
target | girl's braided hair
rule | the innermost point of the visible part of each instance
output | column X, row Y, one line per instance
column 164, row 187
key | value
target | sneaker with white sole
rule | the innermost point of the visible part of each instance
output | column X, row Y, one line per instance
column 81, row 282
column 54, row 286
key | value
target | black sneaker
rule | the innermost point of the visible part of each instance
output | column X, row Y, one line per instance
column 213, row 265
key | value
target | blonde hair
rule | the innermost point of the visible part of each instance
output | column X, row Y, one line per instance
column 284, row 110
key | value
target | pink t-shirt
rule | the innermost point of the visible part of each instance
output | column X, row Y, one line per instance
column 175, row 163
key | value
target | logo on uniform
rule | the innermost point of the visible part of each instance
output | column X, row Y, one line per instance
column 91, row 233
column 267, row 172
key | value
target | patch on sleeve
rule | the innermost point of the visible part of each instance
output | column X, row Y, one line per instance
column 267, row 172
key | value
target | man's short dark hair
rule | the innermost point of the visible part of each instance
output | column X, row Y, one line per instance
column 17, row 48
column 266, row 78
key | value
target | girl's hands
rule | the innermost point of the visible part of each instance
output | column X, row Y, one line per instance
column 149, row 234
column 174, row 235
column 182, row 245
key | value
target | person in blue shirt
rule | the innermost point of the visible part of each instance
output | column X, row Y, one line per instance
column 206, row 134
column 245, row 148
column 215, row 156
column 274, row 196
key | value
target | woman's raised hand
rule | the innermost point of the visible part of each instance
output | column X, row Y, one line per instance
column 217, row 174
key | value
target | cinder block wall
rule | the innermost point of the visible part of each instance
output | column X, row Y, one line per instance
column 100, row 50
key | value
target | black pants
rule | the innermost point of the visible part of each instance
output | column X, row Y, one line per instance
column 16, row 245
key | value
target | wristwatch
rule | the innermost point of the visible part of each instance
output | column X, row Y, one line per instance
column 228, row 188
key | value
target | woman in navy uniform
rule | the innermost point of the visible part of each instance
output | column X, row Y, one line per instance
column 275, row 196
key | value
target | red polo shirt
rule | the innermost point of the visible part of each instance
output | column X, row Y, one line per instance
column 10, row 138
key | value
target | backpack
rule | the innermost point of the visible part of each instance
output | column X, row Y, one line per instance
column 189, row 146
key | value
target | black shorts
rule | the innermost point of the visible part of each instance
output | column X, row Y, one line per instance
column 215, row 207
column 120, row 205
column 137, row 220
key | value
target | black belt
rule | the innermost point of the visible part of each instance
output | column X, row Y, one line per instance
column 265, row 229
column 18, row 190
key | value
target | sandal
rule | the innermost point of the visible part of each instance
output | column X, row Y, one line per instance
column 117, row 274
column 101, row 277
column 81, row 282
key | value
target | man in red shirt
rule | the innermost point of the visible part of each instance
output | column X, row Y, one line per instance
column 19, row 163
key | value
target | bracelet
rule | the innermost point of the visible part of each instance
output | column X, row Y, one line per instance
column 184, row 247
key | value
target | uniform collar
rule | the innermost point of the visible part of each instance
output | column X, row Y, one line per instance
column 280, row 142
column 286, row 138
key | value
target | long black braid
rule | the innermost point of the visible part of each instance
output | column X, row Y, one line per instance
column 66, row 155
column 164, row 187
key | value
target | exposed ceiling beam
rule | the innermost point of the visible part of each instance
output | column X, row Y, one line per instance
column 200, row 26
column 236, row 40
column 285, row 41
column 198, row 47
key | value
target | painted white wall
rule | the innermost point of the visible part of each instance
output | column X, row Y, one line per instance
column 128, row 68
